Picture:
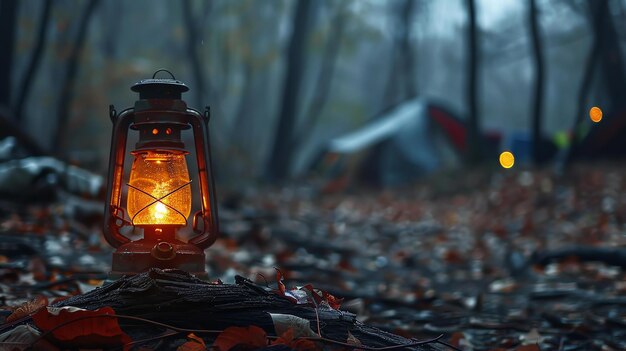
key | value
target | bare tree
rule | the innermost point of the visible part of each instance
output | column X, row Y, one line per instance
column 325, row 76
column 474, row 143
column 69, row 79
column 537, row 46
column 8, row 16
column 402, row 73
column 279, row 163
column 35, row 60
column 605, row 49
column 193, row 41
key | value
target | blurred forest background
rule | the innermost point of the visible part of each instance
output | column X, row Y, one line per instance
column 284, row 78
column 310, row 95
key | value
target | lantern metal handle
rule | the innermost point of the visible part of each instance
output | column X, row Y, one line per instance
column 163, row 70
column 210, row 229
column 112, row 208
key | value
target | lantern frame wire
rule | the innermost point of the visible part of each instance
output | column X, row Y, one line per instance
column 158, row 200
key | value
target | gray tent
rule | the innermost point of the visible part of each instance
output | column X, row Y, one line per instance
column 394, row 148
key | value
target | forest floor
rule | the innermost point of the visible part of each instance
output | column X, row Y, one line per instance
column 498, row 261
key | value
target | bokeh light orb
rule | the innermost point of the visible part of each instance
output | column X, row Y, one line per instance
column 507, row 160
column 595, row 113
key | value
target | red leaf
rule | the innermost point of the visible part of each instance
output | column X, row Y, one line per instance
column 528, row 348
column 246, row 338
column 195, row 343
column 279, row 281
column 28, row 308
column 77, row 328
column 297, row 344
column 333, row 301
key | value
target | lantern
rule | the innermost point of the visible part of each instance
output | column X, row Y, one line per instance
column 158, row 189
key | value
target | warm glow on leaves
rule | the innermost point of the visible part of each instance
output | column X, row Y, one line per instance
column 507, row 160
column 595, row 113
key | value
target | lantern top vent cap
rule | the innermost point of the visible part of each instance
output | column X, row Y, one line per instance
column 160, row 88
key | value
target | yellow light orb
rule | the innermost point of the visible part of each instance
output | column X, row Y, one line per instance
column 595, row 113
column 507, row 160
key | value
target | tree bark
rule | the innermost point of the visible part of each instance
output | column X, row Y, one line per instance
column 35, row 60
column 474, row 144
column 69, row 81
column 537, row 46
column 8, row 17
column 325, row 77
column 281, row 154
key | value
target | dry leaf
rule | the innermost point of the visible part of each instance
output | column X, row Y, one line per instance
column 195, row 343
column 533, row 337
column 287, row 338
column 21, row 337
column 284, row 322
column 245, row 338
column 81, row 328
column 28, row 308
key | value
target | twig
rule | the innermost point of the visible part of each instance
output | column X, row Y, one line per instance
column 162, row 336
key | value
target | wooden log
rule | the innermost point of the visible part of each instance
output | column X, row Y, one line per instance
column 179, row 299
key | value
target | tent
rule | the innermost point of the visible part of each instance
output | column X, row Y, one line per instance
column 411, row 140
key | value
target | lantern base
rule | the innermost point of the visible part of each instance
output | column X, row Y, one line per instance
column 141, row 255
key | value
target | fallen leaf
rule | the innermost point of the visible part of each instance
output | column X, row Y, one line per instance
column 77, row 328
column 246, row 338
column 299, row 326
column 21, row 338
column 298, row 344
column 195, row 343
column 28, row 308
column 353, row 340
column 533, row 337
column 279, row 281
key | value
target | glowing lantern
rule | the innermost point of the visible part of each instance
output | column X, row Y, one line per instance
column 159, row 192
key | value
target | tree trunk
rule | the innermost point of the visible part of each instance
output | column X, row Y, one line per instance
column 402, row 73
column 611, row 55
column 406, row 49
column 69, row 81
column 193, row 40
column 474, row 144
column 325, row 77
column 8, row 17
column 539, row 83
column 35, row 59
column 585, row 85
column 279, row 163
